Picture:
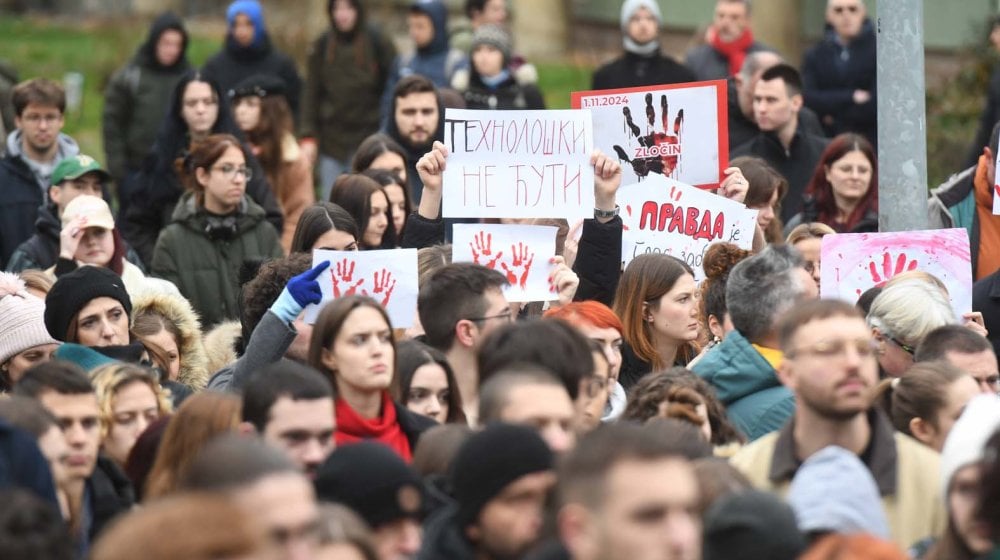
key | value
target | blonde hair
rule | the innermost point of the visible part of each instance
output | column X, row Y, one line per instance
column 812, row 230
column 909, row 309
column 110, row 378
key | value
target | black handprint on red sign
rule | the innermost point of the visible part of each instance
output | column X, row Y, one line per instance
column 659, row 151
column 522, row 257
column 384, row 284
column 481, row 248
column 344, row 272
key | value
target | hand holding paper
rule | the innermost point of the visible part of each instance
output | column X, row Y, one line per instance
column 389, row 277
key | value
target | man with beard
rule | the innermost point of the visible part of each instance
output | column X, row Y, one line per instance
column 829, row 364
column 33, row 150
column 416, row 121
column 290, row 406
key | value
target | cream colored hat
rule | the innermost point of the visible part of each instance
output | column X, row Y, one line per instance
column 97, row 212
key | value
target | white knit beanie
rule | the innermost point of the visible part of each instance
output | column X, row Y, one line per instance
column 968, row 437
column 22, row 318
column 629, row 7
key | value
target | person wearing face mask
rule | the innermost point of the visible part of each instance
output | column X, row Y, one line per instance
column 642, row 64
column 248, row 50
column 838, row 74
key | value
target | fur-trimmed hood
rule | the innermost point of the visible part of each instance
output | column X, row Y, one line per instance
column 194, row 362
column 220, row 345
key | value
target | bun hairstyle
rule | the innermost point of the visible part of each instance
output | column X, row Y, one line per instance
column 720, row 258
column 918, row 394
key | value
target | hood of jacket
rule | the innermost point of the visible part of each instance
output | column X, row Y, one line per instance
column 146, row 55
column 220, row 345
column 67, row 146
column 187, row 212
column 261, row 45
column 48, row 225
column 178, row 311
column 736, row 370
column 438, row 12
column 360, row 23
column 8, row 71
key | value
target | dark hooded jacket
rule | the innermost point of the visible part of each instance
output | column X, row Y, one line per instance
column 345, row 81
column 635, row 70
column 414, row 153
column 158, row 188
column 8, row 79
column 137, row 97
column 435, row 61
column 444, row 539
column 202, row 255
column 831, row 72
column 235, row 62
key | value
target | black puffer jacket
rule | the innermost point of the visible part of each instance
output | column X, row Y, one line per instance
column 634, row 70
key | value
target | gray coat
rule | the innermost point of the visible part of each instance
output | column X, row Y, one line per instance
column 267, row 345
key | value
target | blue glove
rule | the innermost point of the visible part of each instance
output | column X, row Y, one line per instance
column 300, row 291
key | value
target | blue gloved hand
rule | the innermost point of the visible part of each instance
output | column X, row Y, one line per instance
column 300, row 291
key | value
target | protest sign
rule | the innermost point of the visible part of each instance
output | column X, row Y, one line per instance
column 679, row 130
column 521, row 253
column 661, row 215
column 854, row 262
column 518, row 164
column 389, row 277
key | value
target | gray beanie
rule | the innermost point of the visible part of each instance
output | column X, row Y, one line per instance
column 494, row 36
column 629, row 8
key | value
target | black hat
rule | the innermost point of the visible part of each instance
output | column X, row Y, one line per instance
column 492, row 459
column 259, row 85
column 751, row 525
column 74, row 290
column 371, row 479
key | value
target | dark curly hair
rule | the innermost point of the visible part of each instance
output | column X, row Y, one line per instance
column 719, row 259
column 655, row 388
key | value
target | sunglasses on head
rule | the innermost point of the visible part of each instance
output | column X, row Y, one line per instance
column 849, row 9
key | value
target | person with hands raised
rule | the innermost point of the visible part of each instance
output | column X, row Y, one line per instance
column 279, row 333
column 599, row 251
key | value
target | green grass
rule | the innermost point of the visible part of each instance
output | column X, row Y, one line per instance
column 557, row 81
column 39, row 48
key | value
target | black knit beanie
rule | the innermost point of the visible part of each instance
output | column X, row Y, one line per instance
column 492, row 459
column 751, row 525
column 371, row 479
column 74, row 290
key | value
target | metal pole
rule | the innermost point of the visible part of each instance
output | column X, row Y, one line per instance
column 902, row 116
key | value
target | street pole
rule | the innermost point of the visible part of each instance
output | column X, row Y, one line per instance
column 902, row 116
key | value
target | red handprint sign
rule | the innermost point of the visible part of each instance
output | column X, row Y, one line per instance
column 341, row 277
column 888, row 270
column 482, row 249
column 384, row 285
column 520, row 265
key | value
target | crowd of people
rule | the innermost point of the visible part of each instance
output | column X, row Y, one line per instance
column 164, row 396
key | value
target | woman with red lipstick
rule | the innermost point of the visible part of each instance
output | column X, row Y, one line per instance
column 215, row 227
column 352, row 344
column 658, row 305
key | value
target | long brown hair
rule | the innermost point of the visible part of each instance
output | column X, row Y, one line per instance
column 822, row 191
column 763, row 181
column 273, row 127
column 201, row 418
column 645, row 280
column 331, row 319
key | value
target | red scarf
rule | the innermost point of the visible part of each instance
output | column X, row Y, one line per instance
column 735, row 51
column 352, row 428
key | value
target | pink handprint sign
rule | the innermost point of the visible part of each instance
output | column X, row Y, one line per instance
column 523, row 249
column 389, row 277
column 852, row 263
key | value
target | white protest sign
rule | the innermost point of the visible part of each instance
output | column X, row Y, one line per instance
column 389, row 277
column 521, row 253
column 996, row 189
column 854, row 262
column 677, row 130
column 518, row 164
column 661, row 215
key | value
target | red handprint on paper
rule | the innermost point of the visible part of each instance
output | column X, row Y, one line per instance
column 384, row 284
column 344, row 273
column 888, row 270
column 522, row 257
column 482, row 248
column 659, row 151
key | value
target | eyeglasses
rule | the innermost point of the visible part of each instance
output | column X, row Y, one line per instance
column 506, row 316
column 849, row 9
column 229, row 170
column 35, row 118
column 906, row 347
column 864, row 347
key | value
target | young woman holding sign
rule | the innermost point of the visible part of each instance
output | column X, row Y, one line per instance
column 352, row 344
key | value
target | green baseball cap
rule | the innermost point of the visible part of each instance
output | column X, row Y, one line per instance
column 76, row 167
